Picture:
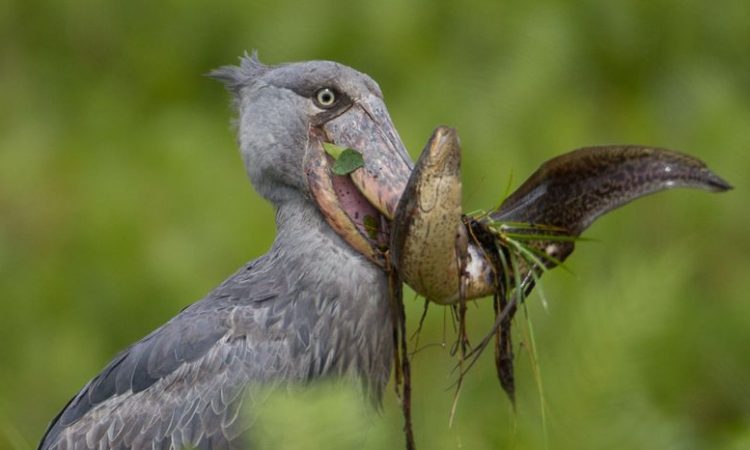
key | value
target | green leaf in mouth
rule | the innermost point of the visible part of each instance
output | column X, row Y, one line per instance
column 371, row 227
column 333, row 149
column 347, row 159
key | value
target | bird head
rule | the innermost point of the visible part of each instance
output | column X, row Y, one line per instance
column 286, row 115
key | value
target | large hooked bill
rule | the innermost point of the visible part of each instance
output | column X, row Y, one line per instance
column 359, row 205
column 444, row 255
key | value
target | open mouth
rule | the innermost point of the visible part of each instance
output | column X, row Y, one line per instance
column 346, row 209
column 360, row 205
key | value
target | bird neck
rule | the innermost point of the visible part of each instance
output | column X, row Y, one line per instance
column 301, row 230
column 337, row 296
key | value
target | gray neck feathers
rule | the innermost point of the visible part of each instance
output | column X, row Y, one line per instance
column 337, row 303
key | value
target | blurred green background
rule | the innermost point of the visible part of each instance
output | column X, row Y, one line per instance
column 123, row 198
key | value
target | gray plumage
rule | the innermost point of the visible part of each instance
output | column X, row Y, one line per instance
column 311, row 307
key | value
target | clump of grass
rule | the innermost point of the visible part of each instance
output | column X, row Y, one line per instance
column 521, row 253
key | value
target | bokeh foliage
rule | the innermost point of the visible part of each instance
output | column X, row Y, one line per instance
column 122, row 199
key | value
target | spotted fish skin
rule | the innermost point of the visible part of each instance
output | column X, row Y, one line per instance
column 574, row 189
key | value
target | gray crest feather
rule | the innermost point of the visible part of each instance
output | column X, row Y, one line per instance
column 235, row 78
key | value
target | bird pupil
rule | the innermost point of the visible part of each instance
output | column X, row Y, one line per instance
column 325, row 97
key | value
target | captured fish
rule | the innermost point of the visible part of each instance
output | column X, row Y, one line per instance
column 429, row 244
column 428, row 240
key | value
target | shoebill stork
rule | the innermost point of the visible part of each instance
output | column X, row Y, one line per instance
column 317, row 304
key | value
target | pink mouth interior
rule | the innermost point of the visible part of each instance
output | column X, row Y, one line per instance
column 365, row 216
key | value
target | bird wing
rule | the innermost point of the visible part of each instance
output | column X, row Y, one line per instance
column 182, row 384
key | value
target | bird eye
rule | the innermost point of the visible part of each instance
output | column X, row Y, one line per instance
column 325, row 98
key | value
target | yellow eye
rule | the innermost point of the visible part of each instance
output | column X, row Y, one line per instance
column 325, row 98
